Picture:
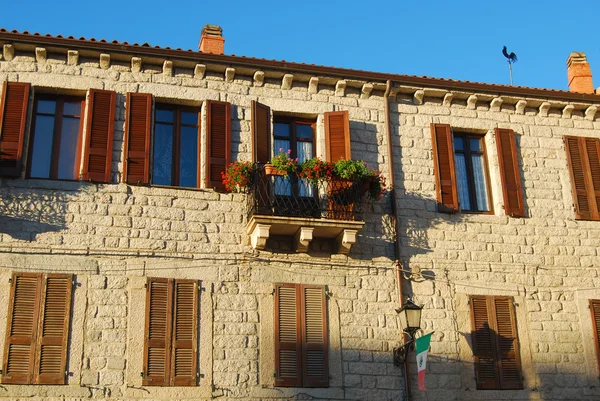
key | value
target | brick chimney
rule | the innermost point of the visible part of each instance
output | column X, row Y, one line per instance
column 579, row 73
column 211, row 40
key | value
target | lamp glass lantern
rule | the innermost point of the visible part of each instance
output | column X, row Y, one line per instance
column 410, row 317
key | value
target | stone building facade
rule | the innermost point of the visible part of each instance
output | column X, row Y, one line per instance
column 111, row 238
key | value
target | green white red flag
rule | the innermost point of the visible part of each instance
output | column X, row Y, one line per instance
column 422, row 346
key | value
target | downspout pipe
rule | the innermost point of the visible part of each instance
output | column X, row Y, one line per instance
column 392, row 188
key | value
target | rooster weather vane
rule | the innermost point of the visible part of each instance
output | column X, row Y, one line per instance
column 511, row 58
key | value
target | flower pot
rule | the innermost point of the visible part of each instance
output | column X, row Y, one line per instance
column 272, row 170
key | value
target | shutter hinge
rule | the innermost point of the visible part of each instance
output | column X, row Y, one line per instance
column 469, row 302
column 10, row 280
column 146, row 285
column 274, row 374
column 274, row 291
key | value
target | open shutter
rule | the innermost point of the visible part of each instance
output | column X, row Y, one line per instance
column 157, row 352
column 13, row 116
column 337, row 135
column 595, row 310
column 484, row 345
column 218, row 123
column 315, row 348
column 581, row 178
column 54, row 329
column 288, row 347
column 592, row 146
column 21, row 329
column 136, row 169
column 261, row 132
column 443, row 164
column 97, row 156
column 509, row 173
column 185, row 328
column 507, row 343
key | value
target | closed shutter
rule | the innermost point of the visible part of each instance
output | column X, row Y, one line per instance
column 54, row 329
column 138, row 122
column 582, row 181
column 314, row 337
column 443, row 162
column 288, row 337
column 185, row 354
column 595, row 310
column 261, row 132
column 157, row 352
column 484, row 345
column 97, row 157
column 218, row 141
column 21, row 330
column 509, row 173
column 592, row 146
column 337, row 136
column 508, row 344
column 13, row 116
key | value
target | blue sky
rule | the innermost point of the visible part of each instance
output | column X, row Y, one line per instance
column 439, row 38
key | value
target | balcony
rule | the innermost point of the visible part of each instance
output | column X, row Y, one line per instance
column 291, row 206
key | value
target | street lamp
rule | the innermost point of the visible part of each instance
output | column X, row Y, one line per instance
column 410, row 321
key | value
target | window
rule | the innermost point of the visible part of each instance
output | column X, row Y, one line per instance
column 56, row 140
column 171, row 341
column 583, row 156
column 301, row 338
column 595, row 310
column 495, row 343
column 471, row 173
column 38, row 329
column 176, row 146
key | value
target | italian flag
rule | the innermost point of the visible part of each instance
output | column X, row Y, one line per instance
column 422, row 346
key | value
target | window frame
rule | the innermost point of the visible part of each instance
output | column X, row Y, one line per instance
column 466, row 137
column 56, row 134
column 596, row 327
column 176, row 149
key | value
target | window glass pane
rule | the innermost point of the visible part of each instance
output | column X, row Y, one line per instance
column 304, row 151
column 458, row 143
column 164, row 116
column 281, row 130
column 480, row 184
column 462, row 182
column 72, row 109
column 282, row 184
column 188, row 164
column 188, row 118
column 68, row 148
column 163, row 154
column 304, row 131
column 42, row 147
column 46, row 106
column 475, row 145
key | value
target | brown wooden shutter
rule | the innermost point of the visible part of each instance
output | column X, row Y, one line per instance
column 484, row 345
column 509, row 173
column 218, row 123
column 136, row 169
column 583, row 179
column 54, row 329
column 315, row 350
column 185, row 354
column 21, row 328
column 507, row 343
column 157, row 352
column 261, row 132
column 595, row 311
column 97, row 156
column 288, row 337
column 443, row 164
column 337, row 136
column 13, row 117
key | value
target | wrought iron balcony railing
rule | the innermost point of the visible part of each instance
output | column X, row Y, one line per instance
column 292, row 196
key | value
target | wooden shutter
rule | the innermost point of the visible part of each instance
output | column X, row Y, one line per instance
column 337, row 136
column 13, row 117
column 97, row 156
column 185, row 354
column 584, row 167
column 595, row 310
column 157, row 352
column 509, row 173
column 54, row 329
column 443, row 164
column 261, row 132
column 136, row 169
column 288, row 337
column 21, row 328
column 495, row 343
column 218, row 124
column 315, row 348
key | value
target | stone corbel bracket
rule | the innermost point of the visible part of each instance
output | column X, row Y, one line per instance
column 590, row 112
column 313, row 85
column 448, row 99
column 259, row 78
column 568, row 111
column 544, row 109
column 302, row 239
column 286, row 81
column 229, row 74
column 418, row 96
column 472, row 102
column 259, row 236
column 496, row 104
column 366, row 91
column 345, row 240
column 340, row 88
